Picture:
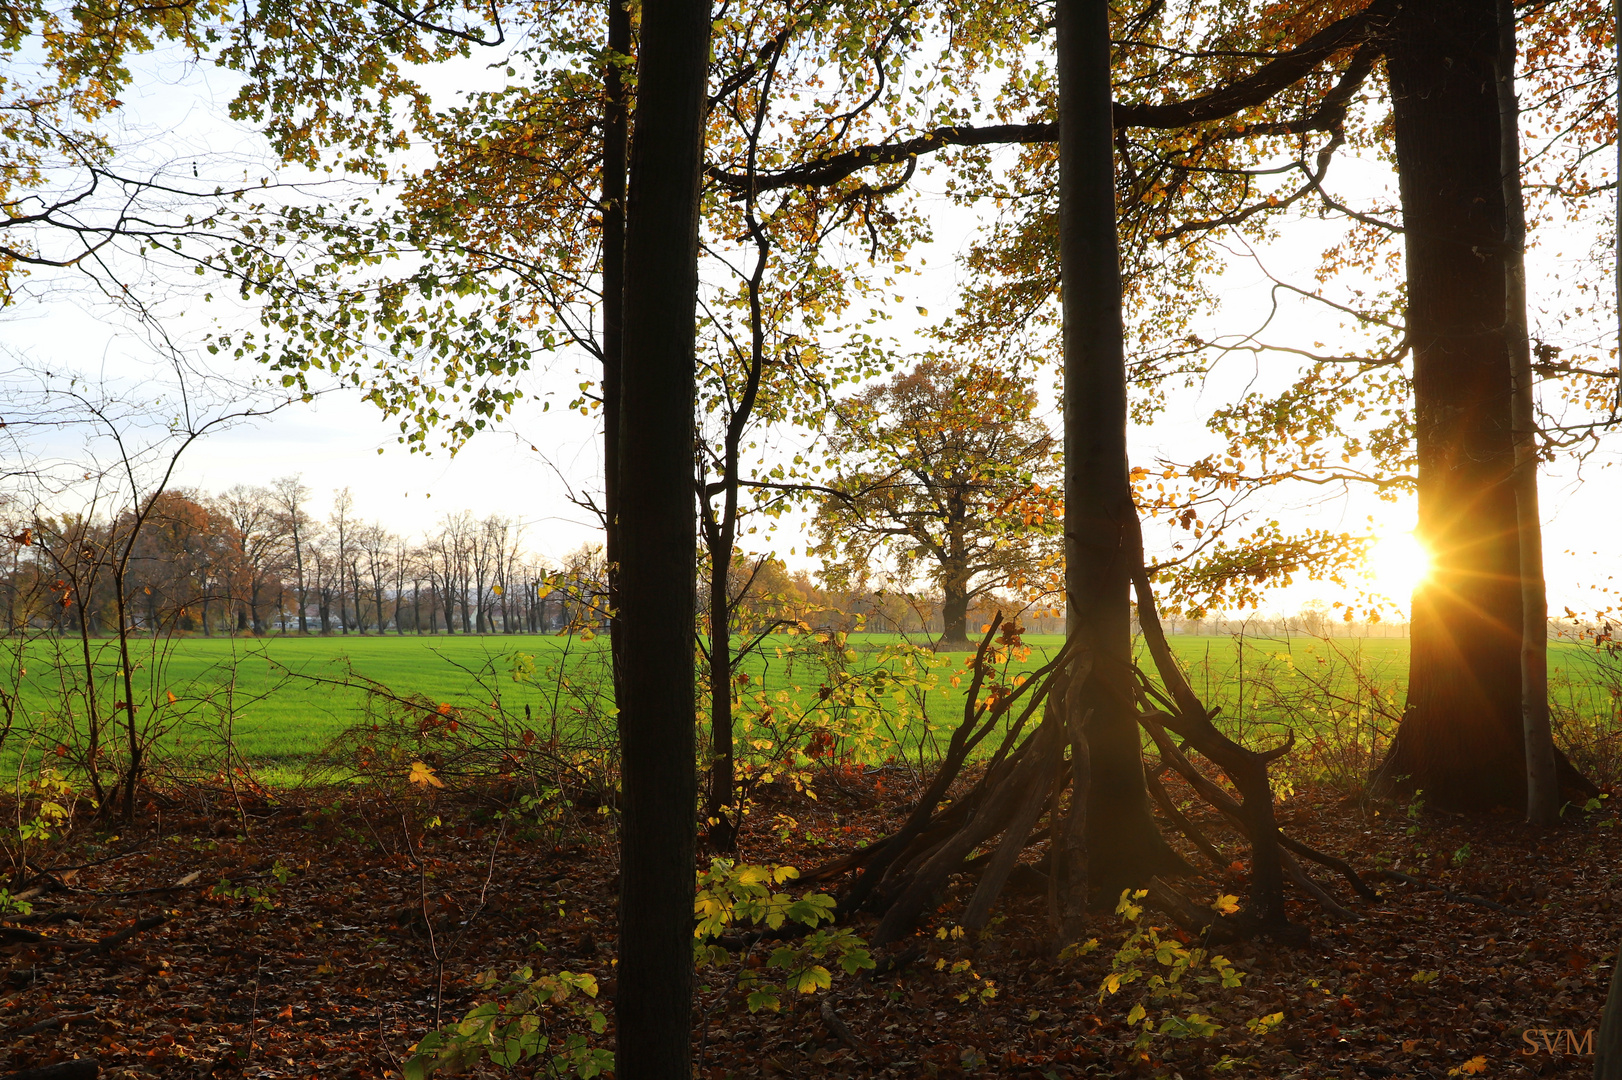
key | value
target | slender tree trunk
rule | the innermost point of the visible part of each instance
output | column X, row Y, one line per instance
column 1542, row 784
column 1461, row 737
column 1124, row 846
column 657, row 550
column 616, row 145
column 303, row 591
column 722, row 826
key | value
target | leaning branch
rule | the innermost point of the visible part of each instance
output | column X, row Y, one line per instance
column 1246, row 93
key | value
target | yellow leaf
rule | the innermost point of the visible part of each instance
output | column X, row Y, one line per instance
column 423, row 775
column 171, row 697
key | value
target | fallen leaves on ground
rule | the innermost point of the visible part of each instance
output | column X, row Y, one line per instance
column 323, row 937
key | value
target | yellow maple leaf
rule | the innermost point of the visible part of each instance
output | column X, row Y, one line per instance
column 423, row 775
column 1475, row 1065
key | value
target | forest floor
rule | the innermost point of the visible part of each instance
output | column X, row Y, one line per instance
column 323, row 939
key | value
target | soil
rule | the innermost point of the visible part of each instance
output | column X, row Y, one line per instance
column 322, row 936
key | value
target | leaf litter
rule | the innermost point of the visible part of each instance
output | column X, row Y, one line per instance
column 325, row 937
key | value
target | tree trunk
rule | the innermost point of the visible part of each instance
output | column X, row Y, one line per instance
column 616, row 136
column 657, row 522
column 1608, row 1044
column 1542, row 784
column 954, row 614
column 1461, row 738
column 721, row 825
column 1124, row 846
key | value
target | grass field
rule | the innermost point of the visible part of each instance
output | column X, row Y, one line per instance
column 289, row 696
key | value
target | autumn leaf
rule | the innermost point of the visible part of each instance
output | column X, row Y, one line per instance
column 424, row 776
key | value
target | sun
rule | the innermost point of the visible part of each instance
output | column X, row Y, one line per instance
column 1396, row 565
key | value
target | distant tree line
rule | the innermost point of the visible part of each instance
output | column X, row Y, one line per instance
column 254, row 560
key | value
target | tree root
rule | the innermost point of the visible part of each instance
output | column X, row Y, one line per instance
column 1448, row 894
column 903, row 875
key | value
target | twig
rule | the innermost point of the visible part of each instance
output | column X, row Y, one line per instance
column 108, row 942
column 839, row 1029
column 1448, row 894
column 77, row 1069
column 253, row 1014
column 60, row 1020
column 428, row 922
column 489, row 875
column 59, row 915
column 88, row 865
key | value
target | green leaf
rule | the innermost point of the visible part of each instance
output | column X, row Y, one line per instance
column 811, row 979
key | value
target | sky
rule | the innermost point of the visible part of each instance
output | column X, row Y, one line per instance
column 533, row 468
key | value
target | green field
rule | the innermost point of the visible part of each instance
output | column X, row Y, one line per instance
column 287, row 697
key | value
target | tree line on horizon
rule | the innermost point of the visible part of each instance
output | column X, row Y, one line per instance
column 253, row 560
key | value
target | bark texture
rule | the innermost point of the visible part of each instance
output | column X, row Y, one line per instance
column 1124, row 847
column 1461, row 736
column 658, row 520
column 1542, row 783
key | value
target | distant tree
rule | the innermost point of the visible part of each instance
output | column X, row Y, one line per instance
column 342, row 521
column 260, row 534
column 948, row 473
column 767, row 595
column 186, row 556
column 291, row 497
column 403, row 561
column 324, row 576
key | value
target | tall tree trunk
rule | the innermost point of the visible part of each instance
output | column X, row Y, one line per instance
column 1461, row 735
column 1124, row 846
column 658, row 524
column 1542, row 784
column 616, row 141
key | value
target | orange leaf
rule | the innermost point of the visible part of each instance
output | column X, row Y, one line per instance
column 424, row 775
